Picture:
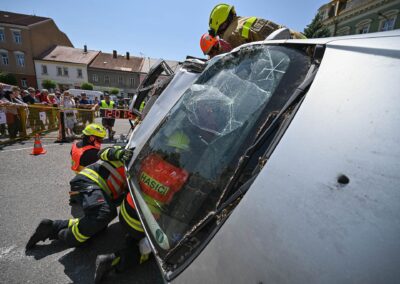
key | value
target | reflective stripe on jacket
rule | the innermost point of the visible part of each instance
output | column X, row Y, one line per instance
column 248, row 29
column 126, row 207
column 114, row 184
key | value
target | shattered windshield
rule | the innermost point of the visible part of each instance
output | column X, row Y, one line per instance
column 181, row 172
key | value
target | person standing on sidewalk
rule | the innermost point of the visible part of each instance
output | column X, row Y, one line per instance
column 69, row 113
column 108, row 123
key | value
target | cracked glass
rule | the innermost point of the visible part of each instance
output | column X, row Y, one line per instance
column 182, row 170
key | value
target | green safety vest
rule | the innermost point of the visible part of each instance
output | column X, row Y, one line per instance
column 105, row 105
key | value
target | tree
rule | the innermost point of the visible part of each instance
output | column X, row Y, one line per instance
column 8, row 78
column 316, row 29
column 114, row 91
column 49, row 84
column 86, row 86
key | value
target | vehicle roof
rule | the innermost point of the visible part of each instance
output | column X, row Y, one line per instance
column 331, row 40
column 298, row 223
column 349, row 39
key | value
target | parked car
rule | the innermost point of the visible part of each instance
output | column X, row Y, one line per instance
column 280, row 163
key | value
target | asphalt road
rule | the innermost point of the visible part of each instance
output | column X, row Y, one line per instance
column 36, row 187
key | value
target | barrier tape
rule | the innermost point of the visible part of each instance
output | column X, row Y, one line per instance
column 22, row 122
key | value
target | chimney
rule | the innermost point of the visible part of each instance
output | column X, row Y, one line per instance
column 85, row 48
column 127, row 55
column 114, row 54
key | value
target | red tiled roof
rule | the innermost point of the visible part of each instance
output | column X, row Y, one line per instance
column 20, row 19
column 69, row 54
column 106, row 61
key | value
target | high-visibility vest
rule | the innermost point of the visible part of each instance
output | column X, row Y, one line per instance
column 105, row 105
column 76, row 154
column 115, row 184
column 159, row 181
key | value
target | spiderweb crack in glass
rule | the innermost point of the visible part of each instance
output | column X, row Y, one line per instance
column 212, row 124
column 220, row 106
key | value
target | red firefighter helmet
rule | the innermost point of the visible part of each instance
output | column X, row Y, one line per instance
column 207, row 42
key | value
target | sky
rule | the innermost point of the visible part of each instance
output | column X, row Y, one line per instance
column 169, row 29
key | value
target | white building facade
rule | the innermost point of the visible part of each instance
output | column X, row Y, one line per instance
column 66, row 75
column 66, row 66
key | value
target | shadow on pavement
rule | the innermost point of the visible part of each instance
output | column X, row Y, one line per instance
column 79, row 264
column 41, row 251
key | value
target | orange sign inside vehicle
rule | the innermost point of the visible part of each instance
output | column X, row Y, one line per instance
column 159, row 179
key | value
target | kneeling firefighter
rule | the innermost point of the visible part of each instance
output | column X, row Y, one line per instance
column 101, row 187
column 85, row 152
column 163, row 175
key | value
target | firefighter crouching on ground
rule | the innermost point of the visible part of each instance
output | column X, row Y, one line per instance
column 101, row 187
column 137, row 248
column 213, row 45
column 239, row 30
column 84, row 152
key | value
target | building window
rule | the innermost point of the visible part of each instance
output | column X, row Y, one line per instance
column 132, row 82
column 23, row 83
column 120, row 80
column 388, row 20
column 4, row 57
column 388, row 25
column 79, row 73
column 17, row 36
column 65, row 71
column 20, row 58
column 106, row 79
column 363, row 30
column 363, row 26
column 95, row 78
column 343, row 31
column 44, row 70
column 59, row 71
column 2, row 37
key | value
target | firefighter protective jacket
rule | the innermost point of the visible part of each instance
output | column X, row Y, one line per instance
column 107, row 173
column 248, row 29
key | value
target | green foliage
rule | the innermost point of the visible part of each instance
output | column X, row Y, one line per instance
column 86, row 86
column 316, row 29
column 114, row 91
column 49, row 84
column 8, row 78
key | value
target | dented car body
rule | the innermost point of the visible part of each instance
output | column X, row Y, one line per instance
column 278, row 163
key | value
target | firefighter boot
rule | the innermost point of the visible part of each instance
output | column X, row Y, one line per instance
column 104, row 264
column 43, row 231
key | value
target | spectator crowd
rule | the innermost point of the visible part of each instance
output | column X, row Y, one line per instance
column 40, row 110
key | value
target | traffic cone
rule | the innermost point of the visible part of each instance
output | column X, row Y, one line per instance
column 37, row 147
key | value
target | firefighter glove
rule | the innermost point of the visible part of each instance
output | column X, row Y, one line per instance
column 124, row 155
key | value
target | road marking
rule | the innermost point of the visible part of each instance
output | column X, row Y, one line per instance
column 5, row 251
column 12, row 150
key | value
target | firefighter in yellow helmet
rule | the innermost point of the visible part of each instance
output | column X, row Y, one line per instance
column 101, row 187
column 84, row 152
column 239, row 30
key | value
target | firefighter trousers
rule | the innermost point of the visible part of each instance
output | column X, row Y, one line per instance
column 129, row 255
column 99, row 210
